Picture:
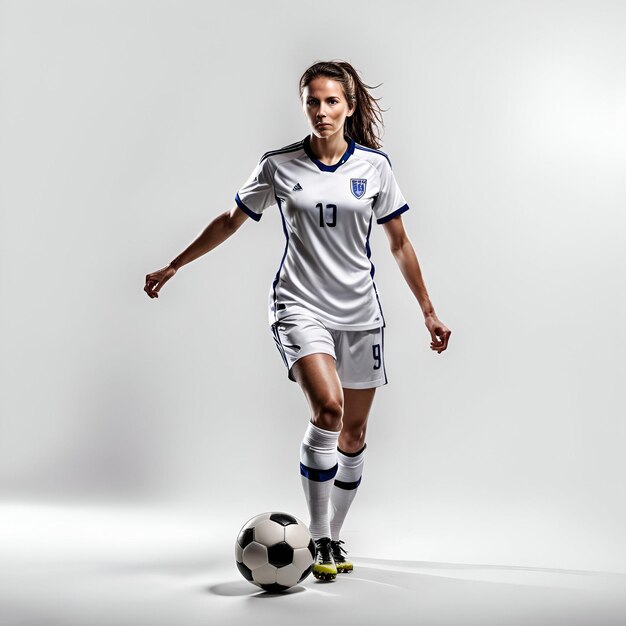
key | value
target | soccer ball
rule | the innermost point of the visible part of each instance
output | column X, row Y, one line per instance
column 275, row 551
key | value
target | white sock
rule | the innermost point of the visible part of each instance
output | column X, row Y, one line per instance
column 318, row 467
column 344, row 489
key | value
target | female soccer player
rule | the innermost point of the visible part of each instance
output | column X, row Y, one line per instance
column 324, row 310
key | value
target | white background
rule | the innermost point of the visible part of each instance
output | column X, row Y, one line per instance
column 126, row 127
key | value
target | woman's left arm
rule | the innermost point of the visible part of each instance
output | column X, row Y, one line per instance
column 404, row 254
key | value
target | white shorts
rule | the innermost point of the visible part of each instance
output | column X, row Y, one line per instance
column 358, row 354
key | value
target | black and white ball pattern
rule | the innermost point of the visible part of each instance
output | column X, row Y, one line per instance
column 275, row 551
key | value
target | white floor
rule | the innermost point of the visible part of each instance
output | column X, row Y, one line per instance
column 111, row 566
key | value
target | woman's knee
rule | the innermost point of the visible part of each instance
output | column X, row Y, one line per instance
column 352, row 440
column 328, row 414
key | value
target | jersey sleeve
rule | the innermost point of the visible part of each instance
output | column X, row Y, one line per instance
column 257, row 192
column 389, row 202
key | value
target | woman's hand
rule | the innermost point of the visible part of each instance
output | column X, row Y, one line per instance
column 157, row 279
column 439, row 333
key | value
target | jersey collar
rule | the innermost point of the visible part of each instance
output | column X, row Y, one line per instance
column 323, row 166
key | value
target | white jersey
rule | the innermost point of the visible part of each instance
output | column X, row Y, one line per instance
column 327, row 213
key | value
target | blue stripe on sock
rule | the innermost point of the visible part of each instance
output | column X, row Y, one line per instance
column 318, row 475
column 343, row 485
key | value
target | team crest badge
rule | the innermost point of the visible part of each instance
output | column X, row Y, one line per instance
column 357, row 187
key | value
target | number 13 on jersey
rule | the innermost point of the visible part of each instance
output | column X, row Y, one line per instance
column 328, row 216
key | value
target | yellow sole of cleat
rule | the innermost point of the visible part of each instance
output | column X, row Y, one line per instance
column 324, row 572
column 344, row 569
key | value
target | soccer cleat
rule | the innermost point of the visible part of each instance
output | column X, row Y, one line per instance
column 343, row 565
column 324, row 568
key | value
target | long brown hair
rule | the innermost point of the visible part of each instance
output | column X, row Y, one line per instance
column 362, row 125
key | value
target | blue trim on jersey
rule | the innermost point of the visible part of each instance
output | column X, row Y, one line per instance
column 277, row 278
column 322, row 166
column 292, row 147
column 318, row 475
column 397, row 212
column 368, row 251
column 255, row 216
column 379, row 306
column 360, row 147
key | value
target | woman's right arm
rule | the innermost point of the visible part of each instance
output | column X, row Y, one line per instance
column 218, row 231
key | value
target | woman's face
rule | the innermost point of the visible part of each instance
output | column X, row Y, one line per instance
column 325, row 102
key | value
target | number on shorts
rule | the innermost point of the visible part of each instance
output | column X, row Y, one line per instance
column 376, row 351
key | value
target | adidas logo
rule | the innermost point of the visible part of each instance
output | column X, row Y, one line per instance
column 297, row 187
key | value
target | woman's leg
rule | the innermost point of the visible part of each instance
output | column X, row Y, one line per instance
column 356, row 409
column 360, row 367
column 350, row 457
column 317, row 376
